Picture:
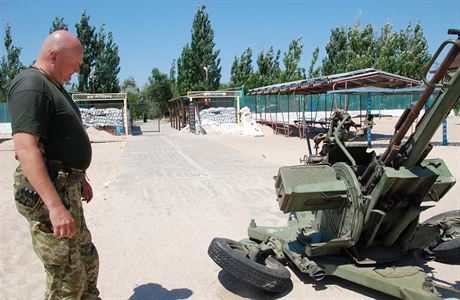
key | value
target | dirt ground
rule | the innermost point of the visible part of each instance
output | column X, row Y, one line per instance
column 160, row 197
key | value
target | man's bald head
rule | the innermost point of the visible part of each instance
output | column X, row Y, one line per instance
column 60, row 56
column 59, row 40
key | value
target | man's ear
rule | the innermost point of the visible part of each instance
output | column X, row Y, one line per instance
column 52, row 56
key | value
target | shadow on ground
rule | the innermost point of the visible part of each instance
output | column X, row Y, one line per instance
column 245, row 290
column 4, row 140
column 152, row 291
column 136, row 130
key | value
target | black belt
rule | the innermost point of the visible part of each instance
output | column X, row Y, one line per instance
column 56, row 168
column 72, row 174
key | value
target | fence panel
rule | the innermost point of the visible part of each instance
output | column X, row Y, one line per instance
column 4, row 114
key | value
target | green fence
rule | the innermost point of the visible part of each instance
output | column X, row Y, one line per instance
column 4, row 115
column 324, row 102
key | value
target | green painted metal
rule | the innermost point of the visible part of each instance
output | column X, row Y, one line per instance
column 406, row 282
column 302, row 188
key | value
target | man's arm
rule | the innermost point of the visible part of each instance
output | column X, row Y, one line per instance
column 33, row 165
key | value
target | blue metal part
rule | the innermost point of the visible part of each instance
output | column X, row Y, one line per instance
column 369, row 112
column 444, row 132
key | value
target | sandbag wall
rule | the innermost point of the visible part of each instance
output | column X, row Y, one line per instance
column 110, row 119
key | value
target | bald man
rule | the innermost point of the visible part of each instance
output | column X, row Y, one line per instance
column 54, row 151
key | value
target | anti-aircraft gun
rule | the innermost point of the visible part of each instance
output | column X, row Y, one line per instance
column 355, row 214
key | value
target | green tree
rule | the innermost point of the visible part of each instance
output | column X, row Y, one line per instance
column 106, row 64
column 387, row 49
column 198, row 67
column 185, row 78
column 129, row 86
column 268, row 68
column 312, row 71
column 415, row 55
column 87, row 37
column 158, row 89
column 335, row 60
column 241, row 70
column 291, row 62
column 58, row 24
column 172, row 78
column 10, row 64
column 234, row 69
column 404, row 52
column 359, row 49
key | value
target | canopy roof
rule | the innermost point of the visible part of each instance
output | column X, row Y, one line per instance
column 380, row 91
column 355, row 79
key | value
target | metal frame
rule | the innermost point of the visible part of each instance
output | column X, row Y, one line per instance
column 322, row 85
column 218, row 94
column 107, row 98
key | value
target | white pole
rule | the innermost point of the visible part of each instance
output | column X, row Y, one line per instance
column 125, row 109
column 238, row 110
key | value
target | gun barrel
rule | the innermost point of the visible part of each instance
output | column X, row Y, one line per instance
column 389, row 155
column 417, row 143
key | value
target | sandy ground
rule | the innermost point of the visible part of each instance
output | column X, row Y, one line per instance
column 160, row 198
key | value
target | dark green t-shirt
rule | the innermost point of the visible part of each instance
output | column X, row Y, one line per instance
column 42, row 108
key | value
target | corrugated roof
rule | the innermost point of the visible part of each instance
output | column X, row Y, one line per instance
column 381, row 91
column 355, row 79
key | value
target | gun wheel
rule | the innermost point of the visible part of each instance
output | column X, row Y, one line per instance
column 269, row 275
column 448, row 248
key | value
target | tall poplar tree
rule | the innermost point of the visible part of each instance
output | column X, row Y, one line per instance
column 198, row 67
column 415, row 55
column 268, row 67
column 291, row 62
column 312, row 71
column 360, row 48
column 172, row 78
column 241, row 70
column 387, row 49
column 185, row 71
column 106, row 64
column 86, row 35
column 404, row 52
column 335, row 60
column 10, row 64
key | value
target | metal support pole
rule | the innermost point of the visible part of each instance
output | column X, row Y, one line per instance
column 238, row 110
column 369, row 112
column 444, row 132
column 125, row 110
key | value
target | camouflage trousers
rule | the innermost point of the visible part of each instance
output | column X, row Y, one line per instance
column 71, row 264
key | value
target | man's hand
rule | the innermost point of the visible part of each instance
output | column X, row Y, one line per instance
column 87, row 191
column 62, row 221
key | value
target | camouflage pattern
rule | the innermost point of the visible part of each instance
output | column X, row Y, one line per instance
column 71, row 264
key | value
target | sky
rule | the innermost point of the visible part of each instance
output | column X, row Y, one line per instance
column 151, row 34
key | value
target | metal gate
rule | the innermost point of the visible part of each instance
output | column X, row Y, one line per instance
column 148, row 118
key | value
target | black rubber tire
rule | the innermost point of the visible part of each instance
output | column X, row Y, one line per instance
column 271, row 276
column 446, row 251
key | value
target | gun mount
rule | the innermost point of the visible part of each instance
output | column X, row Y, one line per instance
column 355, row 214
